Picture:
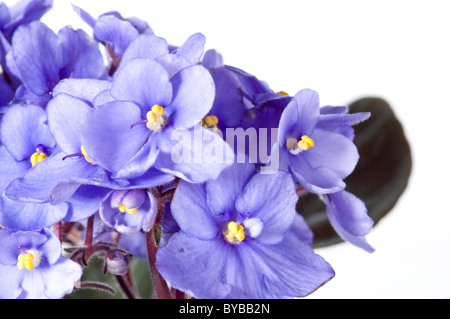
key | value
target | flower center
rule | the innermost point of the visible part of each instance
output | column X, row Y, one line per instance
column 38, row 156
column 295, row 147
column 155, row 119
column 82, row 153
column 234, row 233
column 210, row 121
column 29, row 259
column 123, row 209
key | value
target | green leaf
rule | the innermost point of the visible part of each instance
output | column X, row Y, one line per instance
column 380, row 176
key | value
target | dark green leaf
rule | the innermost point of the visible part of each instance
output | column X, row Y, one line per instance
column 381, row 175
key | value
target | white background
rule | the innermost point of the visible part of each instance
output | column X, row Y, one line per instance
column 397, row 50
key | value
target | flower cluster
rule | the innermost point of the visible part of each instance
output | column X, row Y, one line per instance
column 115, row 143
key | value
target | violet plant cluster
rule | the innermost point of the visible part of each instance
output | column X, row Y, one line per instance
column 116, row 143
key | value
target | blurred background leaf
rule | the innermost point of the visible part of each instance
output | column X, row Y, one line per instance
column 93, row 273
column 380, row 176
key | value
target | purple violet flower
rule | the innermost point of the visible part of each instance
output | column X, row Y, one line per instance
column 60, row 175
column 23, row 12
column 244, row 102
column 151, row 110
column 318, row 159
column 346, row 212
column 240, row 237
column 31, row 266
column 113, row 30
column 71, row 52
column 128, row 211
column 348, row 216
column 27, row 142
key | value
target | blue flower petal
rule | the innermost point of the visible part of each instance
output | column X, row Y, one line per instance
column 84, row 57
column 143, row 81
column 51, row 180
column 320, row 180
column 228, row 186
column 66, row 115
column 192, row 48
column 271, row 198
column 195, row 155
column 300, row 116
column 116, row 32
column 194, row 265
column 30, row 216
column 296, row 270
column 9, row 250
column 58, row 280
column 83, row 89
column 84, row 202
column 108, row 138
column 23, row 129
column 38, row 57
column 333, row 151
column 348, row 216
column 145, row 46
column 10, row 276
column 193, row 96
column 190, row 210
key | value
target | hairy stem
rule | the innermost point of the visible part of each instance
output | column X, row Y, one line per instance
column 126, row 287
column 89, row 231
column 160, row 286
column 161, row 289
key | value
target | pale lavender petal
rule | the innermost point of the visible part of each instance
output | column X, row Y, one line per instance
column 228, row 186
column 190, row 210
column 144, row 82
column 145, row 46
column 107, row 135
column 264, row 197
column 192, row 48
column 23, row 129
column 348, row 216
column 321, row 180
column 194, row 265
column 333, row 151
column 66, row 115
column 193, row 90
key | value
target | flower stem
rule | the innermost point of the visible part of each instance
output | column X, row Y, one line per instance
column 57, row 229
column 89, row 231
column 160, row 286
column 126, row 287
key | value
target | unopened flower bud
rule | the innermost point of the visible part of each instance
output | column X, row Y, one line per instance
column 117, row 262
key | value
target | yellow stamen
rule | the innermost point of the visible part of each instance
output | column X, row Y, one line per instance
column 155, row 119
column 283, row 93
column 159, row 110
column 25, row 261
column 240, row 234
column 210, row 121
column 123, row 209
column 232, row 228
column 87, row 158
column 37, row 157
column 305, row 143
column 234, row 233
